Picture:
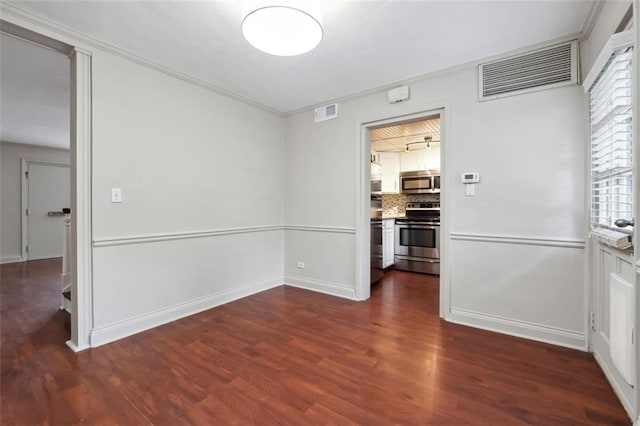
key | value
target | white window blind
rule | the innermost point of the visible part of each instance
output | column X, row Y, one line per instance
column 611, row 143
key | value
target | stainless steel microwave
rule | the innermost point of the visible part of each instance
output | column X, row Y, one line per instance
column 420, row 182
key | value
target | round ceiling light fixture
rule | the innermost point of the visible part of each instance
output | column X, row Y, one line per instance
column 285, row 28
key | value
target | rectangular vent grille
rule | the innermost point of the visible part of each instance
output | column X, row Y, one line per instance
column 326, row 112
column 553, row 66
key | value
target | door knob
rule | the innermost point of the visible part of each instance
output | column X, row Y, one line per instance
column 623, row 223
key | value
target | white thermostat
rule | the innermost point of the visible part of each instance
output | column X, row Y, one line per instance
column 470, row 177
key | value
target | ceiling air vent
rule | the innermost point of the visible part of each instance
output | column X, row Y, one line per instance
column 540, row 69
column 326, row 112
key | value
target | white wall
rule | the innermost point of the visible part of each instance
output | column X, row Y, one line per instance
column 11, row 211
column 516, row 248
column 202, row 212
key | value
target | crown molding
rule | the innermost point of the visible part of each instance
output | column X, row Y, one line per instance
column 10, row 10
column 592, row 18
column 16, row 15
column 438, row 73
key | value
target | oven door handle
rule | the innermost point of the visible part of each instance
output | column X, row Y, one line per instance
column 418, row 259
column 416, row 225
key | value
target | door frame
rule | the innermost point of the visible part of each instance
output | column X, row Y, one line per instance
column 24, row 197
column 363, row 194
column 19, row 23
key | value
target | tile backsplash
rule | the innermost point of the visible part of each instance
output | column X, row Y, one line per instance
column 393, row 205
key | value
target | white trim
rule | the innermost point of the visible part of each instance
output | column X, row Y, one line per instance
column 447, row 184
column 81, row 264
column 328, row 229
column 592, row 18
column 24, row 200
column 24, row 204
column 363, row 213
column 70, row 34
column 10, row 259
column 43, row 258
column 527, row 330
column 436, row 74
column 170, row 236
column 112, row 332
column 20, row 16
column 75, row 348
column 615, row 42
column 519, row 239
column 326, row 287
column 628, row 405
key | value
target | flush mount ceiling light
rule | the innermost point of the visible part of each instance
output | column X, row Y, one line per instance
column 285, row 28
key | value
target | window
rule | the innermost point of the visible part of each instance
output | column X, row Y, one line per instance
column 611, row 143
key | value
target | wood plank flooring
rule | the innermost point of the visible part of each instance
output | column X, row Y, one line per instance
column 289, row 356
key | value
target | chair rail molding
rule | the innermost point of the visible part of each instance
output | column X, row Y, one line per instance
column 169, row 236
column 520, row 239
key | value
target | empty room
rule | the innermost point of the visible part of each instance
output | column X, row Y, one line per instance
column 319, row 212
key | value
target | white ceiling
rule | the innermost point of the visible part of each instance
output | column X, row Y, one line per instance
column 34, row 83
column 398, row 137
column 366, row 45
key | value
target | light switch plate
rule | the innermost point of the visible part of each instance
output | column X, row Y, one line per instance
column 116, row 195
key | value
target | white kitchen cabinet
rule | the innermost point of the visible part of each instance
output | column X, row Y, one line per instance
column 420, row 159
column 390, row 163
column 409, row 161
column 388, row 242
column 432, row 158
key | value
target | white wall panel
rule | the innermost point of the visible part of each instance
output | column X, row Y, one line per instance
column 188, row 161
column 186, row 158
column 535, row 285
column 328, row 259
column 135, row 281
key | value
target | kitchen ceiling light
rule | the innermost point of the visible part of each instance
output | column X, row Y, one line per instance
column 284, row 29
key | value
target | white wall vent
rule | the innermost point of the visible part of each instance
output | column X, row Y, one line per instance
column 552, row 66
column 327, row 112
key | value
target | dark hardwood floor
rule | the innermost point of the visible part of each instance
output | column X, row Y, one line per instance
column 289, row 356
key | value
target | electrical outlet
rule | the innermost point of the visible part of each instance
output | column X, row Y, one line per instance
column 300, row 265
column 116, row 195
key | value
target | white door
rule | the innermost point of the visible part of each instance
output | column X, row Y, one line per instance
column 48, row 188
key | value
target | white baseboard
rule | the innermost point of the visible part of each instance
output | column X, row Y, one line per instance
column 326, row 287
column 526, row 330
column 11, row 259
column 628, row 405
column 74, row 347
column 112, row 332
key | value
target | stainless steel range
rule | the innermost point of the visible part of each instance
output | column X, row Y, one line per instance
column 417, row 239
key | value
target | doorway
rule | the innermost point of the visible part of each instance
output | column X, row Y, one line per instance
column 405, row 159
column 45, row 193
column 79, row 77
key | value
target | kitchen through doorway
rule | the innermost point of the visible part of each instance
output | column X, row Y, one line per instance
column 405, row 214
